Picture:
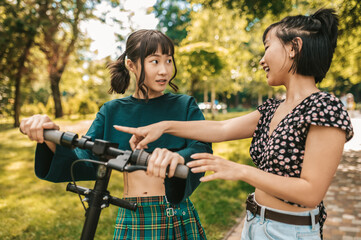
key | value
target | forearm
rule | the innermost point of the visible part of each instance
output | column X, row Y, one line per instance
column 214, row 131
column 204, row 131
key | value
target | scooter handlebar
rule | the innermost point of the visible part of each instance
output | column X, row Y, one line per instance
column 138, row 157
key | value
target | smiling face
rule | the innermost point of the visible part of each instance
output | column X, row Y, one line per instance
column 276, row 60
column 158, row 68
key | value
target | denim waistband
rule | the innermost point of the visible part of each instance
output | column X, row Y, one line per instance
column 315, row 211
column 289, row 217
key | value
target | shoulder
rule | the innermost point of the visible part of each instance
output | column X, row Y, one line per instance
column 324, row 109
column 118, row 101
column 326, row 103
column 325, row 99
column 181, row 99
column 115, row 104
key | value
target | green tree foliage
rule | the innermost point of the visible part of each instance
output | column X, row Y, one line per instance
column 218, row 52
column 174, row 17
column 345, row 72
column 60, row 33
column 198, row 63
column 349, row 11
column 51, row 26
column 20, row 23
column 238, row 48
column 85, row 81
column 237, row 26
column 249, row 8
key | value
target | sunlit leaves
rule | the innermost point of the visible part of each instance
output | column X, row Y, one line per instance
column 174, row 17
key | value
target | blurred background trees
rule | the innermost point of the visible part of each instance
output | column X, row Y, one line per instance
column 34, row 35
column 46, row 64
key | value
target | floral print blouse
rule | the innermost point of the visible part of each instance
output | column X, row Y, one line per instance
column 282, row 151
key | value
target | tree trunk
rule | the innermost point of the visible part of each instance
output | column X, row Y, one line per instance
column 17, row 100
column 205, row 99
column 58, row 52
column 18, row 77
column 213, row 101
column 192, row 90
column 54, row 81
column 205, row 94
column 236, row 100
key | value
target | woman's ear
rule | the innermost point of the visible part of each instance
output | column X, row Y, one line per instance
column 296, row 47
column 131, row 65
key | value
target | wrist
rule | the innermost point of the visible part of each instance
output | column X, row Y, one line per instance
column 242, row 172
column 166, row 126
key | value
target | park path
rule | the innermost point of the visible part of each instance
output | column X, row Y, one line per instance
column 343, row 199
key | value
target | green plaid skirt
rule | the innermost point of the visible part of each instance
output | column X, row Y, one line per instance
column 155, row 218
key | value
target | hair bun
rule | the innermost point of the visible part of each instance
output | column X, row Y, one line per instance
column 329, row 23
column 119, row 75
column 316, row 24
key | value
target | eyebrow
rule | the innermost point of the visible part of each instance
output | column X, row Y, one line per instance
column 158, row 55
column 154, row 55
column 265, row 41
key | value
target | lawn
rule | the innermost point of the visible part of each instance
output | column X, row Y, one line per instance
column 34, row 209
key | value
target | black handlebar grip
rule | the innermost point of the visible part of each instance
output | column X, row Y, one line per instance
column 123, row 203
column 140, row 157
column 62, row 138
column 53, row 136
column 181, row 171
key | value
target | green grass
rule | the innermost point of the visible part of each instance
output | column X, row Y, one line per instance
column 34, row 209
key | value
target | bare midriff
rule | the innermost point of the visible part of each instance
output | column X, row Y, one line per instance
column 268, row 200
column 139, row 184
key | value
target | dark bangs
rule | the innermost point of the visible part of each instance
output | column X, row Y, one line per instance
column 152, row 40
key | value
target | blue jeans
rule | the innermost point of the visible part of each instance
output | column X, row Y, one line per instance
column 259, row 228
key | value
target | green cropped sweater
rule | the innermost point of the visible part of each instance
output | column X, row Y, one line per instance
column 132, row 112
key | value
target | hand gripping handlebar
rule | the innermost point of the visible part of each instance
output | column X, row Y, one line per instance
column 138, row 157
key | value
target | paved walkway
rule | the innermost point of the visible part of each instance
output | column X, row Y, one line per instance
column 343, row 199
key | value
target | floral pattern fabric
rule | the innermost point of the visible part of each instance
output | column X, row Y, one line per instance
column 282, row 151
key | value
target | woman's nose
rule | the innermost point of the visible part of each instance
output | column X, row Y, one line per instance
column 261, row 62
column 162, row 69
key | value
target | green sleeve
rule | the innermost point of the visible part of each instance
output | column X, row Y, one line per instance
column 177, row 190
column 55, row 167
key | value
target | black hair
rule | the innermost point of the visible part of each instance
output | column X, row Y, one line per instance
column 319, row 39
column 140, row 44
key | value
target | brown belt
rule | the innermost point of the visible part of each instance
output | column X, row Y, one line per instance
column 254, row 208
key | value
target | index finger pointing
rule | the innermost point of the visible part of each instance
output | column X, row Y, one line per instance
column 125, row 129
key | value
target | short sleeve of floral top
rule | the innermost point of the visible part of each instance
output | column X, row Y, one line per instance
column 282, row 153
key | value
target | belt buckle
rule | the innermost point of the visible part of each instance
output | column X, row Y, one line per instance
column 170, row 212
column 252, row 207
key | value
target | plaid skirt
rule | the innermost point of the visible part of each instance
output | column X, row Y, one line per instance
column 156, row 218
